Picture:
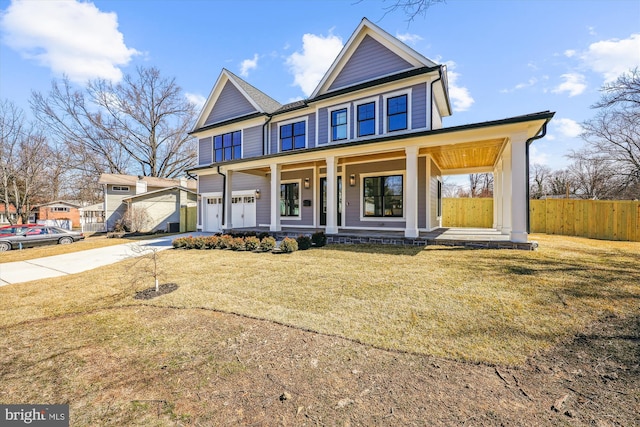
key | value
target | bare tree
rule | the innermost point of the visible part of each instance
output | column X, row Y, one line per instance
column 138, row 126
column 25, row 159
column 411, row 8
column 614, row 132
column 594, row 176
column 561, row 183
column 539, row 177
column 481, row 185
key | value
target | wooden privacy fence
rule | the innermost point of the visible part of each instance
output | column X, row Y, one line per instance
column 188, row 219
column 597, row 219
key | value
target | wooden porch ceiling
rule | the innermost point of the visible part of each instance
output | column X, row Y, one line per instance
column 469, row 155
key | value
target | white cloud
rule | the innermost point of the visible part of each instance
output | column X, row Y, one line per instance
column 573, row 84
column 309, row 66
column 570, row 53
column 409, row 38
column 568, row 128
column 462, row 99
column 196, row 99
column 247, row 65
column 614, row 57
column 538, row 157
column 69, row 37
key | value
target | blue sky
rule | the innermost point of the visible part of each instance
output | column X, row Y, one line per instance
column 505, row 58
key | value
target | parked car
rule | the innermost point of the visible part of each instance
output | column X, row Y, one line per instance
column 29, row 236
column 10, row 230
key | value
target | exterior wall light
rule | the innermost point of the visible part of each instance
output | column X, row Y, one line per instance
column 306, row 183
column 258, row 193
column 352, row 180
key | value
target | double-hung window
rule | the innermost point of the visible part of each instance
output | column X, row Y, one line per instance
column 227, row 146
column 339, row 124
column 290, row 199
column 367, row 119
column 293, row 136
column 382, row 196
column 397, row 113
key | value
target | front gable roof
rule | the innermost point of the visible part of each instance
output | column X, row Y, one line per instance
column 232, row 97
column 370, row 53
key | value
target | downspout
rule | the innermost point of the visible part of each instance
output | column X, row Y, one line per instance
column 224, row 191
column 431, row 106
column 265, row 139
column 540, row 134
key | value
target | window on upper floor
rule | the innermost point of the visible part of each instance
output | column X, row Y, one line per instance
column 367, row 119
column 59, row 209
column 339, row 124
column 293, row 136
column 290, row 199
column 382, row 196
column 397, row 113
column 120, row 188
column 227, row 146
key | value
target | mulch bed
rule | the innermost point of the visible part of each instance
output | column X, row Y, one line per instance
column 151, row 293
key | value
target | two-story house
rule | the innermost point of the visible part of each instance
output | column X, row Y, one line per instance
column 366, row 151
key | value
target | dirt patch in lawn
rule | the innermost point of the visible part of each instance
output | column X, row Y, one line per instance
column 168, row 366
column 151, row 293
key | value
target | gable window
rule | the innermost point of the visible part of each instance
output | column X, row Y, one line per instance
column 397, row 113
column 367, row 119
column 227, row 146
column 339, row 124
column 120, row 188
column 293, row 136
column 290, row 199
column 59, row 209
column 382, row 196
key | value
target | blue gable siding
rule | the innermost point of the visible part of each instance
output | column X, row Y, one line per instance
column 252, row 142
column 231, row 103
column 205, row 151
column 370, row 60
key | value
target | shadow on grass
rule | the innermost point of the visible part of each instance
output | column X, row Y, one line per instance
column 391, row 249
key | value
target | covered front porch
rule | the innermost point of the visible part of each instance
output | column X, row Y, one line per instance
column 486, row 238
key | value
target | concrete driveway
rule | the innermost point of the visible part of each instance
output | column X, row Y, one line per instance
column 76, row 262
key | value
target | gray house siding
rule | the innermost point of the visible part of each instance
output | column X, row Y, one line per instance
column 354, row 194
column 231, row 103
column 422, row 193
column 210, row 183
column 252, row 142
column 370, row 60
column 115, row 209
column 419, row 106
column 205, row 151
column 323, row 125
column 433, row 194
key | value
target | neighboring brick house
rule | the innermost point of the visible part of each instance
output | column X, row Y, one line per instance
column 58, row 210
column 4, row 216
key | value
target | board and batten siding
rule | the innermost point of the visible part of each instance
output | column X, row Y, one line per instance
column 230, row 104
column 419, row 106
column 370, row 60
column 205, row 151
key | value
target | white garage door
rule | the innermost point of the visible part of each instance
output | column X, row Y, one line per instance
column 243, row 210
column 213, row 214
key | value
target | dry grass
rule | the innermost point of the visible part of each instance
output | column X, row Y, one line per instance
column 84, row 339
column 91, row 242
column 493, row 306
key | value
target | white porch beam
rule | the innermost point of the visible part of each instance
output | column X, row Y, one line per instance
column 506, row 190
column 411, row 196
column 499, row 195
column 332, row 195
column 275, row 197
column 228, row 193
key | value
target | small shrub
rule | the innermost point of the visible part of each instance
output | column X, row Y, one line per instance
column 237, row 244
column 304, row 242
column 225, row 242
column 199, row 243
column 251, row 243
column 262, row 235
column 319, row 239
column 179, row 243
column 211, row 242
column 267, row 244
column 288, row 245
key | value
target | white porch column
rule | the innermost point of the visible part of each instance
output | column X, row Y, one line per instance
column 428, row 191
column 228, row 193
column 332, row 196
column 411, row 195
column 275, row 198
column 497, row 196
column 519, row 188
column 506, row 190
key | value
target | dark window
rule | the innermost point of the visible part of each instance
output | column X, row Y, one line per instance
column 290, row 199
column 439, row 210
column 367, row 119
column 292, row 136
column 383, row 196
column 227, row 146
column 397, row 113
column 339, row 124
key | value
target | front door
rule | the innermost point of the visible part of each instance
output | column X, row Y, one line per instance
column 323, row 201
column 213, row 214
